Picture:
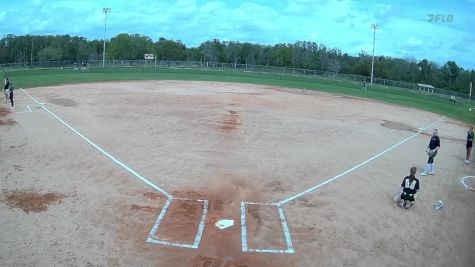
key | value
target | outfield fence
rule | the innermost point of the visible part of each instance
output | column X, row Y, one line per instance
column 282, row 72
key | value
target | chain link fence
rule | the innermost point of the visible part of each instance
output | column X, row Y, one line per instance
column 155, row 65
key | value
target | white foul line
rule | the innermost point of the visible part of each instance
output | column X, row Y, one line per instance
column 282, row 202
column 169, row 196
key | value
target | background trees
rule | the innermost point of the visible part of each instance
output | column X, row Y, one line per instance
column 301, row 54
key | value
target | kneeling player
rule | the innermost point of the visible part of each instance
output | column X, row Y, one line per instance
column 409, row 188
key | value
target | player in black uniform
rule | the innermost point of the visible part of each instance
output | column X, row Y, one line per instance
column 432, row 148
column 11, row 94
column 468, row 146
column 6, row 89
column 409, row 189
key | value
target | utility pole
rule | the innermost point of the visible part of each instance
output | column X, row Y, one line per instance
column 374, row 27
column 105, row 10
column 31, row 52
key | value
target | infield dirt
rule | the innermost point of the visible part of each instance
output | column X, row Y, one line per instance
column 64, row 203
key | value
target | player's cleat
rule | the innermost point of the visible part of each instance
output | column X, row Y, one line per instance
column 432, row 169
column 466, row 162
column 426, row 170
column 401, row 203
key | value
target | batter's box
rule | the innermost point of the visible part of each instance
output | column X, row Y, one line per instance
column 180, row 223
column 260, row 231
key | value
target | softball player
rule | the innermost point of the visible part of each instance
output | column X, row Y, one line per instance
column 409, row 189
column 468, row 146
column 432, row 148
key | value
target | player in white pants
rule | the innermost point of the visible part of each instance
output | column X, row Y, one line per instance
column 432, row 148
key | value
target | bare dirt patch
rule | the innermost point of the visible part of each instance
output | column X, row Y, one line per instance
column 30, row 201
column 65, row 102
column 229, row 121
column 4, row 112
column 148, row 209
column 398, row 126
column 404, row 127
column 8, row 122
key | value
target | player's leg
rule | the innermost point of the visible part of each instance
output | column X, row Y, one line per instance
column 11, row 98
column 402, row 200
column 432, row 164
column 427, row 167
column 469, row 150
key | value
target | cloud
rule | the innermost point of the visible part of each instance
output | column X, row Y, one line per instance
column 411, row 43
column 341, row 23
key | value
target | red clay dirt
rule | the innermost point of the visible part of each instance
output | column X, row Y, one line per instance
column 30, row 201
column 3, row 113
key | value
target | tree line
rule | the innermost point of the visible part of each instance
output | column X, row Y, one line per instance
column 301, row 54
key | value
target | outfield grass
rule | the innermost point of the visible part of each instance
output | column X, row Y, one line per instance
column 428, row 102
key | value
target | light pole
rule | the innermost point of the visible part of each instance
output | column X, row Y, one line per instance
column 105, row 10
column 374, row 27
column 31, row 52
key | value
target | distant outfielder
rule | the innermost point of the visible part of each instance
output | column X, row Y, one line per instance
column 432, row 148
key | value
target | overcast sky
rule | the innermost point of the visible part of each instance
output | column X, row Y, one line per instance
column 405, row 27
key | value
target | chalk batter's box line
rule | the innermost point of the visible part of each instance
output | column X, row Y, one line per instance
column 285, row 229
column 151, row 236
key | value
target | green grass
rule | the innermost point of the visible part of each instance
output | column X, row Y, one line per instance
column 428, row 102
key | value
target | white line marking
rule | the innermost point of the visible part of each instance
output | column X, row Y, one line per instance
column 169, row 196
column 151, row 236
column 264, row 204
column 243, row 227
column 285, row 227
column 282, row 202
column 201, row 227
column 464, row 184
column 172, row 244
column 29, row 109
column 152, row 233
column 276, row 251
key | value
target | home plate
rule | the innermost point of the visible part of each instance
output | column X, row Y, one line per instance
column 225, row 223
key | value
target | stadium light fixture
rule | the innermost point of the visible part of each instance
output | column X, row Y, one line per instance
column 105, row 10
column 374, row 27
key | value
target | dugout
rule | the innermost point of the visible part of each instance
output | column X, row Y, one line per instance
column 425, row 87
